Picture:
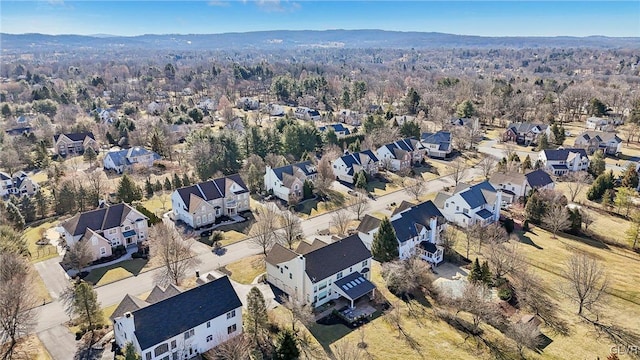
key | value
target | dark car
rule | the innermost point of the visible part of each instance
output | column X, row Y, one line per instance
column 206, row 233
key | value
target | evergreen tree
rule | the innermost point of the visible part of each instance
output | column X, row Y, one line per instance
column 13, row 215
column 42, row 203
column 185, row 180
column 331, row 137
column 90, row 155
column 412, row 101
column 81, row 300
column 597, row 164
column 597, row 107
column 526, row 164
column 465, row 109
column 65, row 198
column 307, row 189
column 361, row 180
column 543, row 142
column 475, row 275
column 129, row 353
column 575, row 217
column 600, row 185
column 148, row 188
column 128, row 191
column 535, row 208
column 177, row 183
column 28, row 209
column 167, row 184
column 82, row 198
column 385, row 244
column 6, row 110
column 287, row 347
column 355, row 146
column 410, row 129
column 157, row 186
column 486, row 273
column 12, row 241
column 256, row 320
column 42, row 159
column 607, row 198
column 630, row 177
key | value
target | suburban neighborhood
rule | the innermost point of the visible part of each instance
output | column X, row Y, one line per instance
column 161, row 199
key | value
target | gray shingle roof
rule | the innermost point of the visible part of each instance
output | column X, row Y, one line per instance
column 538, row 178
column 412, row 220
column 209, row 190
column 99, row 219
column 440, row 137
column 368, row 223
column 337, row 256
column 474, row 196
column 170, row 317
column 562, row 154
column 354, row 285
column 76, row 136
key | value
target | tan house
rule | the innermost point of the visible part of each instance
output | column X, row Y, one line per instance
column 74, row 144
column 107, row 227
column 19, row 184
column 287, row 182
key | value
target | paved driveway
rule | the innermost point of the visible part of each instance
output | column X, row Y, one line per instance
column 60, row 342
column 53, row 275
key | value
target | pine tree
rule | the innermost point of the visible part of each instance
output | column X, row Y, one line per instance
column 256, row 318
column 42, row 203
column 28, row 209
column 385, row 244
column 177, row 183
column 167, row 184
column 148, row 188
column 287, row 347
column 475, row 275
column 129, row 353
column 630, row 177
column 361, row 180
column 543, row 142
column 307, row 189
column 597, row 164
column 486, row 273
column 185, row 180
column 128, row 191
column 13, row 215
column 65, row 198
column 81, row 300
column 90, row 155
column 157, row 186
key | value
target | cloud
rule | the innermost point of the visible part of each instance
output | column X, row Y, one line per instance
column 277, row 5
column 218, row 3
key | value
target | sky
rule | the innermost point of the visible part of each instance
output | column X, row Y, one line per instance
column 484, row 18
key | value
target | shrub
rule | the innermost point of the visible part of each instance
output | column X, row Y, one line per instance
column 508, row 225
column 504, row 294
column 79, row 334
column 525, row 225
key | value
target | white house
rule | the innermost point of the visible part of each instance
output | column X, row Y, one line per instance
column 561, row 161
column 401, row 154
column 438, row 145
column 181, row 326
column 288, row 181
column 609, row 142
column 275, row 110
column 124, row 160
column 74, row 143
column 339, row 129
column 305, row 113
column 515, row 185
column 350, row 117
column 106, row 227
column 470, row 204
column 319, row 272
column 598, row 123
column 19, row 184
column 417, row 228
column 346, row 167
column 201, row 204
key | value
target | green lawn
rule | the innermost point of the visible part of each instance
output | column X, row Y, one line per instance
column 39, row 252
column 115, row 272
column 246, row 270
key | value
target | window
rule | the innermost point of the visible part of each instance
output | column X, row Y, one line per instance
column 351, row 269
column 127, row 228
column 148, row 355
column 290, row 276
column 231, row 329
column 339, row 275
column 364, row 263
column 465, row 210
column 209, row 338
column 208, row 324
column 174, row 356
column 231, row 314
column 94, row 241
column 161, row 349
column 446, row 205
column 457, row 208
column 281, row 270
column 189, row 334
column 173, row 344
column 103, row 251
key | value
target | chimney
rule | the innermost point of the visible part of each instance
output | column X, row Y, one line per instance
column 197, row 273
column 127, row 314
column 497, row 205
column 433, row 225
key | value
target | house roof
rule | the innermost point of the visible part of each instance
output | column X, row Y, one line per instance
column 411, row 221
column 76, row 136
column 99, row 219
column 429, row 246
column 306, row 167
column 508, row 177
column 538, row 178
column 158, row 294
column 599, row 136
column 128, row 304
column 404, row 205
column 211, row 189
column 562, row 154
column 358, row 158
column 440, row 137
column 124, row 156
column 478, row 194
column 368, row 223
column 520, row 128
column 337, row 256
column 155, row 323
column 441, row 197
column 305, row 247
column 354, row 285
column 484, row 213
column 279, row 254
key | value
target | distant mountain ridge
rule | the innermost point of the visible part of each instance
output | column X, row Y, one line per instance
column 291, row 39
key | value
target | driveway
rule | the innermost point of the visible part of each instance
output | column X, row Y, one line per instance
column 59, row 342
column 54, row 277
column 451, row 279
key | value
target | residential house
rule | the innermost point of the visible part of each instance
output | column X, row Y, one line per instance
column 515, row 185
column 417, row 229
column 525, row 133
column 19, row 184
column 346, row 167
column 374, row 109
column 317, row 273
column 305, row 113
column 609, row 142
column 339, row 129
column 124, row 160
column 470, row 204
column 106, row 227
column 207, row 105
column 401, row 154
column 471, row 123
column 106, row 116
column 181, row 326
column 201, row 204
column 561, row 161
column 24, row 130
column 74, row 143
column 401, row 119
column 350, row 117
column 438, row 145
column 275, row 110
column 248, row 103
column 288, row 181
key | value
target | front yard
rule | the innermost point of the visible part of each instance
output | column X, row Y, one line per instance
column 111, row 273
column 245, row 270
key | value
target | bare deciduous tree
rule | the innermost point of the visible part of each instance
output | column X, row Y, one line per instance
column 346, row 350
column 17, row 302
column 340, row 220
column 587, row 218
column 556, row 218
column 476, row 300
column 263, row 231
column 473, row 233
column 236, row 348
column 175, row 254
column 78, row 255
column 291, row 229
column 576, row 181
column 587, row 281
column 299, row 311
column 408, row 276
column 415, row 187
column 504, row 259
column 458, row 170
column 325, row 177
column 488, row 165
column 359, row 204
column 448, row 240
column 525, row 335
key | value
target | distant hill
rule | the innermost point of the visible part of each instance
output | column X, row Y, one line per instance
column 282, row 39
